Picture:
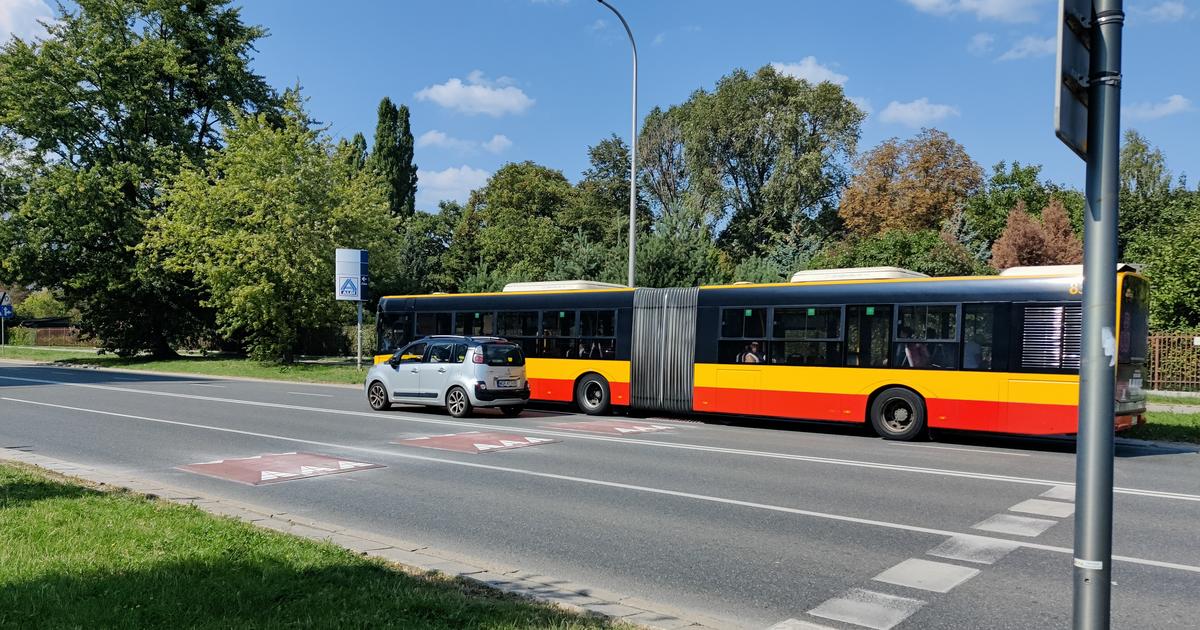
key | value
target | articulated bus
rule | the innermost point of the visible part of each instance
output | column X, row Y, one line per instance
column 885, row 346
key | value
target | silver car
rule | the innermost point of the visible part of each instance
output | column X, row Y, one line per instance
column 456, row 372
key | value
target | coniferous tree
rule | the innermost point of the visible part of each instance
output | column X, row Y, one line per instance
column 392, row 157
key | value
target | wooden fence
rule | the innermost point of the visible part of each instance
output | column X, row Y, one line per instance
column 1173, row 362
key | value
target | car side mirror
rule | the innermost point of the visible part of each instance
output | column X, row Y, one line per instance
column 394, row 362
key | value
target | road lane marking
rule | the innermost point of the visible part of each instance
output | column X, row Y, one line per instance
column 1157, row 494
column 956, row 448
column 1057, row 509
column 927, row 575
column 1014, row 525
column 868, row 608
column 207, row 385
column 1063, row 493
column 796, row 624
column 977, row 549
column 610, row 484
column 311, row 394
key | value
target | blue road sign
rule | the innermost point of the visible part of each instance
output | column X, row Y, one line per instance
column 6, row 312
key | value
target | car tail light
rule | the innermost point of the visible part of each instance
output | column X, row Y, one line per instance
column 478, row 358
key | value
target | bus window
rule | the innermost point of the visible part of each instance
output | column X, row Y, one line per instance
column 597, row 336
column 433, row 324
column 597, row 324
column 521, row 328
column 743, row 332
column 807, row 336
column 1051, row 337
column 983, row 324
column 558, row 332
column 393, row 331
column 927, row 336
column 868, row 335
column 474, row 324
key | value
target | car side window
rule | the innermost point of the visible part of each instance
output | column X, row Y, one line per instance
column 460, row 352
column 441, row 352
column 414, row 353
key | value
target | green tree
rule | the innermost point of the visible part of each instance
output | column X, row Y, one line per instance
column 772, row 152
column 679, row 252
column 926, row 251
column 601, row 206
column 40, row 304
column 256, row 228
column 392, row 157
column 354, row 152
column 585, row 259
column 109, row 104
column 1009, row 184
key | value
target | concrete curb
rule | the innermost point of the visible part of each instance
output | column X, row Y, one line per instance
column 410, row 555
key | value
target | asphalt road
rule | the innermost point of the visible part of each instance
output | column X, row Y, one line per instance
column 749, row 522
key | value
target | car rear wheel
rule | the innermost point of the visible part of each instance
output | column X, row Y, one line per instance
column 377, row 396
column 512, row 411
column 898, row 414
column 458, row 404
column 593, row 395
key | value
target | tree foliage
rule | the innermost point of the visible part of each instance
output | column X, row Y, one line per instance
column 911, row 185
column 257, row 225
column 392, row 157
column 1028, row 241
column 40, row 304
column 926, row 251
column 108, row 105
column 769, row 152
column 1009, row 184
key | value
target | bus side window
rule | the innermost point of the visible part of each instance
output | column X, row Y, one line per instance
column 868, row 335
column 983, row 324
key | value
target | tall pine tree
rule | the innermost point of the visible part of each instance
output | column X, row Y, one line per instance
column 392, row 157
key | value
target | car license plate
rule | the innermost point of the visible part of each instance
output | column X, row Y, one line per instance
column 506, row 382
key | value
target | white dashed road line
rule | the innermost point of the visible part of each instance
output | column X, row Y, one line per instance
column 1057, row 509
column 207, row 385
column 977, row 549
column 311, row 394
column 868, row 608
column 927, row 575
column 956, row 448
column 1062, row 493
column 1014, row 525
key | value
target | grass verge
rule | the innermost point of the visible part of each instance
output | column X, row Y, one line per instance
column 75, row 557
column 39, row 354
column 1174, row 400
column 1169, row 427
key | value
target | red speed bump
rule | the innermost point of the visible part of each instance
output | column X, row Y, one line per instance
column 619, row 427
column 275, row 467
column 475, row 441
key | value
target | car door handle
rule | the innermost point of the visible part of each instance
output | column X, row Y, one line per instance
column 414, row 370
column 441, row 370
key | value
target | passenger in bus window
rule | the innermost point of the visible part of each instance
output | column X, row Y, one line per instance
column 916, row 354
column 972, row 355
column 751, row 354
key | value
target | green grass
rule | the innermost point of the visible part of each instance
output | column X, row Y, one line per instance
column 1191, row 399
column 218, row 366
column 39, row 354
column 1169, row 427
column 72, row 557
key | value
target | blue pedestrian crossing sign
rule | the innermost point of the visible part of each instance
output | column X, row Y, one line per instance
column 350, row 275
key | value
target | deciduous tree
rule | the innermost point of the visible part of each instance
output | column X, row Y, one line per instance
column 926, row 251
column 911, row 185
column 392, row 157
column 1028, row 241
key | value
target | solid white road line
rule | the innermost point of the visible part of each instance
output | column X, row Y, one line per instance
column 1157, row 494
column 927, row 575
column 207, row 385
column 311, row 394
column 1057, row 509
column 606, row 484
column 868, row 608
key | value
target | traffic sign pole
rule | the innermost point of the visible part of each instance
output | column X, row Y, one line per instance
column 1094, row 456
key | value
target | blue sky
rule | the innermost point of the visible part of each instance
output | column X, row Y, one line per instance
column 492, row 81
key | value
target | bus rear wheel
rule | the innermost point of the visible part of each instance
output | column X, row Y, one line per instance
column 593, row 395
column 898, row 414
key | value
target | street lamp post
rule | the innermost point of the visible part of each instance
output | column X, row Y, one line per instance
column 632, row 150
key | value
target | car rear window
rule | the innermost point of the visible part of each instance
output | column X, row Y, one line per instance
column 503, row 354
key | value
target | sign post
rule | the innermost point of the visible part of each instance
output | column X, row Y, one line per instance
column 350, row 283
column 6, row 313
column 1087, row 109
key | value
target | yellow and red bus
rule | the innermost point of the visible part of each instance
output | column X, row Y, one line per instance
column 897, row 350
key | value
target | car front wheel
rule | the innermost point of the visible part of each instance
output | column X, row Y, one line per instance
column 377, row 396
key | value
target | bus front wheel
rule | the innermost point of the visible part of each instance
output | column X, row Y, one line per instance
column 593, row 395
column 898, row 414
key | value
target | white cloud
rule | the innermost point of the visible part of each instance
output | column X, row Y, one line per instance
column 454, row 183
column 498, row 144
column 1169, row 11
column 999, row 10
column 659, row 39
column 435, row 138
column 597, row 26
column 916, row 113
column 20, row 18
column 981, row 44
column 478, row 95
column 1174, row 104
column 1030, row 47
column 810, row 70
column 862, row 103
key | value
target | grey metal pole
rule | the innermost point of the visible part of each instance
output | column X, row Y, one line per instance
column 632, row 151
column 358, row 354
column 1094, row 446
